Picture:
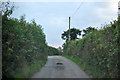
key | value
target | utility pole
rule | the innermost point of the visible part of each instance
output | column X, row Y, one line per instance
column 69, row 27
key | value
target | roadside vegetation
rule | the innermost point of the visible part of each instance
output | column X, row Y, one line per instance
column 53, row 51
column 97, row 52
column 24, row 47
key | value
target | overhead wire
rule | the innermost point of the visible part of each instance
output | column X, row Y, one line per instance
column 77, row 9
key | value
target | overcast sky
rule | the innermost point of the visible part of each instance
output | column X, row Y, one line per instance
column 53, row 16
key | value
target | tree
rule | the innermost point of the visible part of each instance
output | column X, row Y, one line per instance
column 74, row 33
column 88, row 30
column 7, row 9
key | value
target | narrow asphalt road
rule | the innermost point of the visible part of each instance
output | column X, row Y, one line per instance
column 64, row 69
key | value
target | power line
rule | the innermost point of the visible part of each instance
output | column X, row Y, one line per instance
column 72, row 17
column 77, row 9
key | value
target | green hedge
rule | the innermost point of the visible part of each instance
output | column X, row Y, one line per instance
column 99, row 49
column 53, row 51
column 23, row 44
column 24, row 48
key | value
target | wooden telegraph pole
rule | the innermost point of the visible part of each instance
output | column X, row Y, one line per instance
column 69, row 28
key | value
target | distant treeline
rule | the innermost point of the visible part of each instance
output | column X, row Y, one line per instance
column 98, row 51
column 24, row 48
column 53, row 51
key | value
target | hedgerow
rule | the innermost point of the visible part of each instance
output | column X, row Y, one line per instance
column 98, row 49
column 24, row 47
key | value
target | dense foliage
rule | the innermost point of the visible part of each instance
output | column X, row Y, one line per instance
column 53, row 51
column 24, row 48
column 74, row 33
column 88, row 30
column 23, row 45
column 98, row 51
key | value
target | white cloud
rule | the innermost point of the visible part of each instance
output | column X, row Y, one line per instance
column 109, row 12
column 113, row 6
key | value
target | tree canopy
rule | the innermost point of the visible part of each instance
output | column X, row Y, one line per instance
column 88, row 30
column 74, row 33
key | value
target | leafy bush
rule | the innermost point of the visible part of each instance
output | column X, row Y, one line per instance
column 24, row 48
column 98, row 49
column 23, row 44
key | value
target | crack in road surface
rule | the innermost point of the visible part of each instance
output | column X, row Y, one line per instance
column 67, row 69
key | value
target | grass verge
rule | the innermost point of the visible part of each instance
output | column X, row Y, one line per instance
column 92, row 71
column 28, row 71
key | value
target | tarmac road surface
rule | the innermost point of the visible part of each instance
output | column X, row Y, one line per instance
column 60, row 67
